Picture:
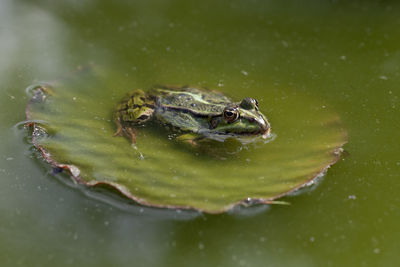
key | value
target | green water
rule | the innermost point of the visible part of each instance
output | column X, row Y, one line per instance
column 344, row 54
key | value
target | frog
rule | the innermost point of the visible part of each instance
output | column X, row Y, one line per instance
column 192, row 113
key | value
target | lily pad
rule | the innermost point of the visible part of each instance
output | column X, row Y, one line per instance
column 72, row 127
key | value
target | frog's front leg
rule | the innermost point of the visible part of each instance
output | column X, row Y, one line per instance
column 189, row 138
column 131, row 133
column 127, row 131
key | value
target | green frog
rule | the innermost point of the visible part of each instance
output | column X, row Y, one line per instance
column 193, row 113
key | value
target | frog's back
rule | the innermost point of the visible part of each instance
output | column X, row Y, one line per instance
column 190, row 99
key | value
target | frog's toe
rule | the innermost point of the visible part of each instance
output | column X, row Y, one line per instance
column 189, row 138
column 192, row 142
column 118, row 132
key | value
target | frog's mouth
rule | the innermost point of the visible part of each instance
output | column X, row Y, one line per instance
column 266, row 133
column 221, row 135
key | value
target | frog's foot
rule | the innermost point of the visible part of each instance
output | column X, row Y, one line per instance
column 191, row 142
column 189, row 138
column 118, row 132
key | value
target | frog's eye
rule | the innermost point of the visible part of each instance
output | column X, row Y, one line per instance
column 231, row 114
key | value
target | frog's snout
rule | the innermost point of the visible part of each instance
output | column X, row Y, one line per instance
column 264, row 127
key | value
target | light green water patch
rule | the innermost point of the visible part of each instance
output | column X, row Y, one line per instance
column 73, row 128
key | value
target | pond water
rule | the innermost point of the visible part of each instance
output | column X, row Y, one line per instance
column 343, row 56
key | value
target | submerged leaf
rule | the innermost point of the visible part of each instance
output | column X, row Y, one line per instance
column 76, row 133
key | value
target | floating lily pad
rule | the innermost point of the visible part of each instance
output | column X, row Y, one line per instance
column 73, row 129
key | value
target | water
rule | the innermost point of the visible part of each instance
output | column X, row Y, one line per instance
column 343, row 54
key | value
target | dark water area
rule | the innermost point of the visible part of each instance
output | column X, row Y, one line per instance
column 341, row 56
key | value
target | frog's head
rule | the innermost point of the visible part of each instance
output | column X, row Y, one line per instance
column 243, row 118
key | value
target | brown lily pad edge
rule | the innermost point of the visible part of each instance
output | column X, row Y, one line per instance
column 40, row 94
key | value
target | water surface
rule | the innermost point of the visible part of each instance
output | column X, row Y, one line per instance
column 344, row 55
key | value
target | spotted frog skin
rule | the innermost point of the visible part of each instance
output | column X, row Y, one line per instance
column 193, row 113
